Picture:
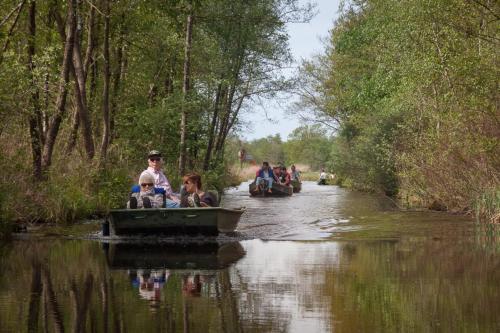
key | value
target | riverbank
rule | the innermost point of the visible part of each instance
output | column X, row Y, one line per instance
column 78, row 190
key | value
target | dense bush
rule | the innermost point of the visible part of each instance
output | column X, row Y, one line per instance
column 413, row 89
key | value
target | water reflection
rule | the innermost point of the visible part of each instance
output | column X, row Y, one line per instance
column 353, row 266
column 202, row 256
column 197, row 269
column 76, row 286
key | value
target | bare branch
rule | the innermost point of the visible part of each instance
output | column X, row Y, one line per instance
column 18, row 7
column 11, row 30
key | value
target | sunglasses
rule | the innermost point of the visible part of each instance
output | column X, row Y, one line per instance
column 147, row 184
column 155, row 159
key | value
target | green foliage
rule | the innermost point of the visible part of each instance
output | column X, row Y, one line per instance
column 412, row 87
column 112, row 186
column 236, row 53
column 268, row 149
column 308, row 145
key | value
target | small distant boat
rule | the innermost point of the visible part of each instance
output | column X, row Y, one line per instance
column 297, row 186
column 206, row 221
column 278, row 190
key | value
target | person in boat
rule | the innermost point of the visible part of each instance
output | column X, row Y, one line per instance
column 265, row 173
column 284, row 176
column 193, row 196
column 322, row 177
column 147, row 195
column 294, row 173
column 155, row 163
column 277, row 172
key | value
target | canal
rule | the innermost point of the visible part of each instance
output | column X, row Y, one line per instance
column 324, row 260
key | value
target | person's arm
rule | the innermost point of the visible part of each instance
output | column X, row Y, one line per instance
column 165, row 184
column 207, row 200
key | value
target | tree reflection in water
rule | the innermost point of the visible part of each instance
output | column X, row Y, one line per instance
column 71, row 286
column 410, row 283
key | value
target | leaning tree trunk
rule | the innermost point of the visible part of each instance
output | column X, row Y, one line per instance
column 81, row 95
column 35, row 117
column 211, row 135
column 185, row 91
column 105, row 94
column 117, row 76
column 56, row 119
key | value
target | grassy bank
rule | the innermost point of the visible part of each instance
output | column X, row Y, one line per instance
column 76, row 190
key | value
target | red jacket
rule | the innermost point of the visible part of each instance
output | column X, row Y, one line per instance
column 285, row 178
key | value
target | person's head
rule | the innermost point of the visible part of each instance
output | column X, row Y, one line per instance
column 147, row 182
column 192, row 182
column 322, row 169
column 265, row 165
column 155, row 160
column 293, row 167
column 283, row 168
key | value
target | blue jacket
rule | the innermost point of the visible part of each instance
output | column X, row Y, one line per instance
column 137, row 189
column 270, row 171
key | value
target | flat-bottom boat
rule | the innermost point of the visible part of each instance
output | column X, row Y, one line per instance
column 277, row 190
column 167, row 221
column 297, row 186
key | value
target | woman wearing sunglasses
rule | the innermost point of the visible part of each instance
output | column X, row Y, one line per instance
column 147, row 196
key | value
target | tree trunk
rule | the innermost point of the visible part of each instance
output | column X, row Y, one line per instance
column 117, row 75
column 225, row 120
column 211, row 134
column 81, row 95
column 89, row 54
column 185, row 91
column 56, row 119
column 35, row 119
column 105, row 94
column 232, row 120
column 73, row 135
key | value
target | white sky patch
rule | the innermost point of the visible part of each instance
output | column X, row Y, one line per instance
column 305, row 41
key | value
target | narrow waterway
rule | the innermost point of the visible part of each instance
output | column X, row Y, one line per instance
column 324, row 260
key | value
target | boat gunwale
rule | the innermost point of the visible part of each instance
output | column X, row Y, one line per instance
column 183, row 209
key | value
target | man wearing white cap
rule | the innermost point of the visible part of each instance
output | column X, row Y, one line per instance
column 155, row 163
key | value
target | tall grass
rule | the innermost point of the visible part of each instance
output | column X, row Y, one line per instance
column 72, row 190
column 487, row 206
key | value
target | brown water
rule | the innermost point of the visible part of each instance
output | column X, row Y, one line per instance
column 323, row 260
